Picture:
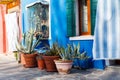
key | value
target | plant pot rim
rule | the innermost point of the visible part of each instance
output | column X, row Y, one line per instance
column 49, row 56
column 63, row 61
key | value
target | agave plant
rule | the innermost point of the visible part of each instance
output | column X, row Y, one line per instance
column 66, row 53
column 78, row 54
column 29, row 42
column 53, row 50
column 83, row 56
column 71, row 52
column 76, row 50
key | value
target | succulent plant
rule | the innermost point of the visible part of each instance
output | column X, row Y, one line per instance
column 78, row 54
column 71, row 52
column 83, row 56
column 53, row 50
column 29, row 42
column 66, row 53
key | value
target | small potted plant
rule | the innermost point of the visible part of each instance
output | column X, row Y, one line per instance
column 40, row 61
column 83, row 61
column 50, row 55
column 76, row 51
column 64, row 65
column 27, row 49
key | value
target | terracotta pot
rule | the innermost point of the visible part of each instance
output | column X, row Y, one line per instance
column 63, row 67
column 29, row 60
column 22, row 59
column 49, row 62
column 41, row 64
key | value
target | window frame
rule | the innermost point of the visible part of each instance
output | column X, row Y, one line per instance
column 80, row 19
column 83, row 36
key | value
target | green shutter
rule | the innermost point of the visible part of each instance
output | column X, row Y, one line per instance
column 70, row 18
column 93, row 15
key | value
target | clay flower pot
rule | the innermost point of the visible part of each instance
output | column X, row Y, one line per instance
column 22, row 59
column 41, row 63
column 63, row 67
column 29, row 60
column 49, row 62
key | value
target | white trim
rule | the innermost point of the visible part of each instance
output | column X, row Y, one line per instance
column 88, row 37
column 49, row 19
column 46, row 2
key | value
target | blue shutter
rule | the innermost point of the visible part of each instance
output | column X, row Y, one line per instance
column 70, row 18
column 93, row 15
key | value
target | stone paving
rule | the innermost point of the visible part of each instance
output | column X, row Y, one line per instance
column 11, row 70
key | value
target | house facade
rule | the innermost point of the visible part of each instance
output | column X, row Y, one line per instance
column 67, row 18
column 69, row 21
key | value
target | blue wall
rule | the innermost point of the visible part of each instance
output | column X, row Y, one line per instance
column 58, row 21
column 59, row 28
column 24, row 13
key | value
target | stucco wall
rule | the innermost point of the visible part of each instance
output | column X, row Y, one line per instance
column 59, row 27
column 3, row 40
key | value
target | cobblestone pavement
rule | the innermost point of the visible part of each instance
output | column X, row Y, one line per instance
column 11, row 70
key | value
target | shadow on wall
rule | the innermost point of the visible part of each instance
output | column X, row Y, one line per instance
column 58, row 22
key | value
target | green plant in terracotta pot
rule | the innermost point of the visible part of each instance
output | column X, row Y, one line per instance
column 50, row 55
column 27, row 49
column 65, row 63
column 40, row 61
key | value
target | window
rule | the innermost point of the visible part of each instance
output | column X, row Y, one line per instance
column 83, row 12
column 84, row 18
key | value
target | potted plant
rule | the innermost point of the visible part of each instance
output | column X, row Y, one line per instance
column 40, row 61
column 83, row 60
column 64, row 65
column 80, row 59
column 27, row 49
column 50, row 55
column 76, row 51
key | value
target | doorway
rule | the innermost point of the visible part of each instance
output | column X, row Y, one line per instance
column 113, row 62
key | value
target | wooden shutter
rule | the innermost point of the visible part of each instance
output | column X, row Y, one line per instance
column 93, row 15
column 70, row 18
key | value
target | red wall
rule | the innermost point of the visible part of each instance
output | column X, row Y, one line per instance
column 2, row 29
